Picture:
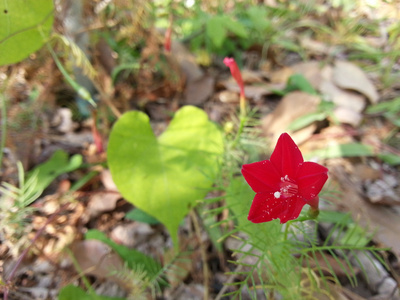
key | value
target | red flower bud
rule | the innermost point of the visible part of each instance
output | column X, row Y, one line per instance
column 231, row 63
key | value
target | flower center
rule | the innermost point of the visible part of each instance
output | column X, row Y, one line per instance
column 288, row 188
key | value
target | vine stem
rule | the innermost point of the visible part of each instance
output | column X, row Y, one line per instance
column 203, row 253
column 25, row 252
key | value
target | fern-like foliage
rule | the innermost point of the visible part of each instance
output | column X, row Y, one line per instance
column 344, row 243
column 289, row 259
column 15, row 209
column 140, row 284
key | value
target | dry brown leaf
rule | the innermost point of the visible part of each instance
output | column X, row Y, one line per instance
column 228, row 97
column 198, row 91
column 250, row 76
column 281, row 75
column 340, row 97
column 253, row 91
column 107, row 181
column 315, row 47
column 311, row 70
column 186, row 61
column 97, row 259
column 349, row 76
column 100, row 202
column 291, row 107
column 347, row 115
column 384, row 219
column 131, row 234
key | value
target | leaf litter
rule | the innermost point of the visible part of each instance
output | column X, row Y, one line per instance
column 369, row 186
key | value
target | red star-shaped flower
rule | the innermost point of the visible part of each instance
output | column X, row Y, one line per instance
column 284, row 183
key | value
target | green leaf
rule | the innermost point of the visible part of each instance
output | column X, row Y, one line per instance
column 259, row 18
column 71, row 292
column 165, row 177
column 216, row 31
column 305, row 120
column 355, row 236
column 57, row 165
column 391, row 159
column 335, row 217
column 131, row 257
column 235, row 27
column 342, row 150
column 139, row 215
column 299, row 82
column 24, row 24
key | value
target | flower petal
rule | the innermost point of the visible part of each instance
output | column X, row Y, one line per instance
column 311, row 177
column 286, row 157
column 294, row 207
column 261, row 176
column 266, row 207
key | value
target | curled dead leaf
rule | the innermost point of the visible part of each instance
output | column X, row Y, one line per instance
column 349, row 76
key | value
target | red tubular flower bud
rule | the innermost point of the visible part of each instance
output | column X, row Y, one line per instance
column 235, row 71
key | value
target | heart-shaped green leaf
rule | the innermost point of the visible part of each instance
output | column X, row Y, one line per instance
column 165, row 176
column 24, row 24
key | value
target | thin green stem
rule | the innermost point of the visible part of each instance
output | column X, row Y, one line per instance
column 82, row 92
column 286, row 231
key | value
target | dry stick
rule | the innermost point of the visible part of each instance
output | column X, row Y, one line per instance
column 25, row 252
column 203, row 253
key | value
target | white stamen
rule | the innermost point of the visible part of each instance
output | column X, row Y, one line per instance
column 277, row 195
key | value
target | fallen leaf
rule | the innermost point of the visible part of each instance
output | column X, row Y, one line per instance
column 228, row 97
column 97, row 259
column 347, row 116
column 340, row 97
column 315, row 47
column 198, row 91
column 102, row 201
column 131, row 234
column 291, row 107
column 254, row 91
column 382, row 220
column 186, row 61
column 311, row 70
column 281, row 75
column 107, row 181
column 250, row 76
column 349, row 76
